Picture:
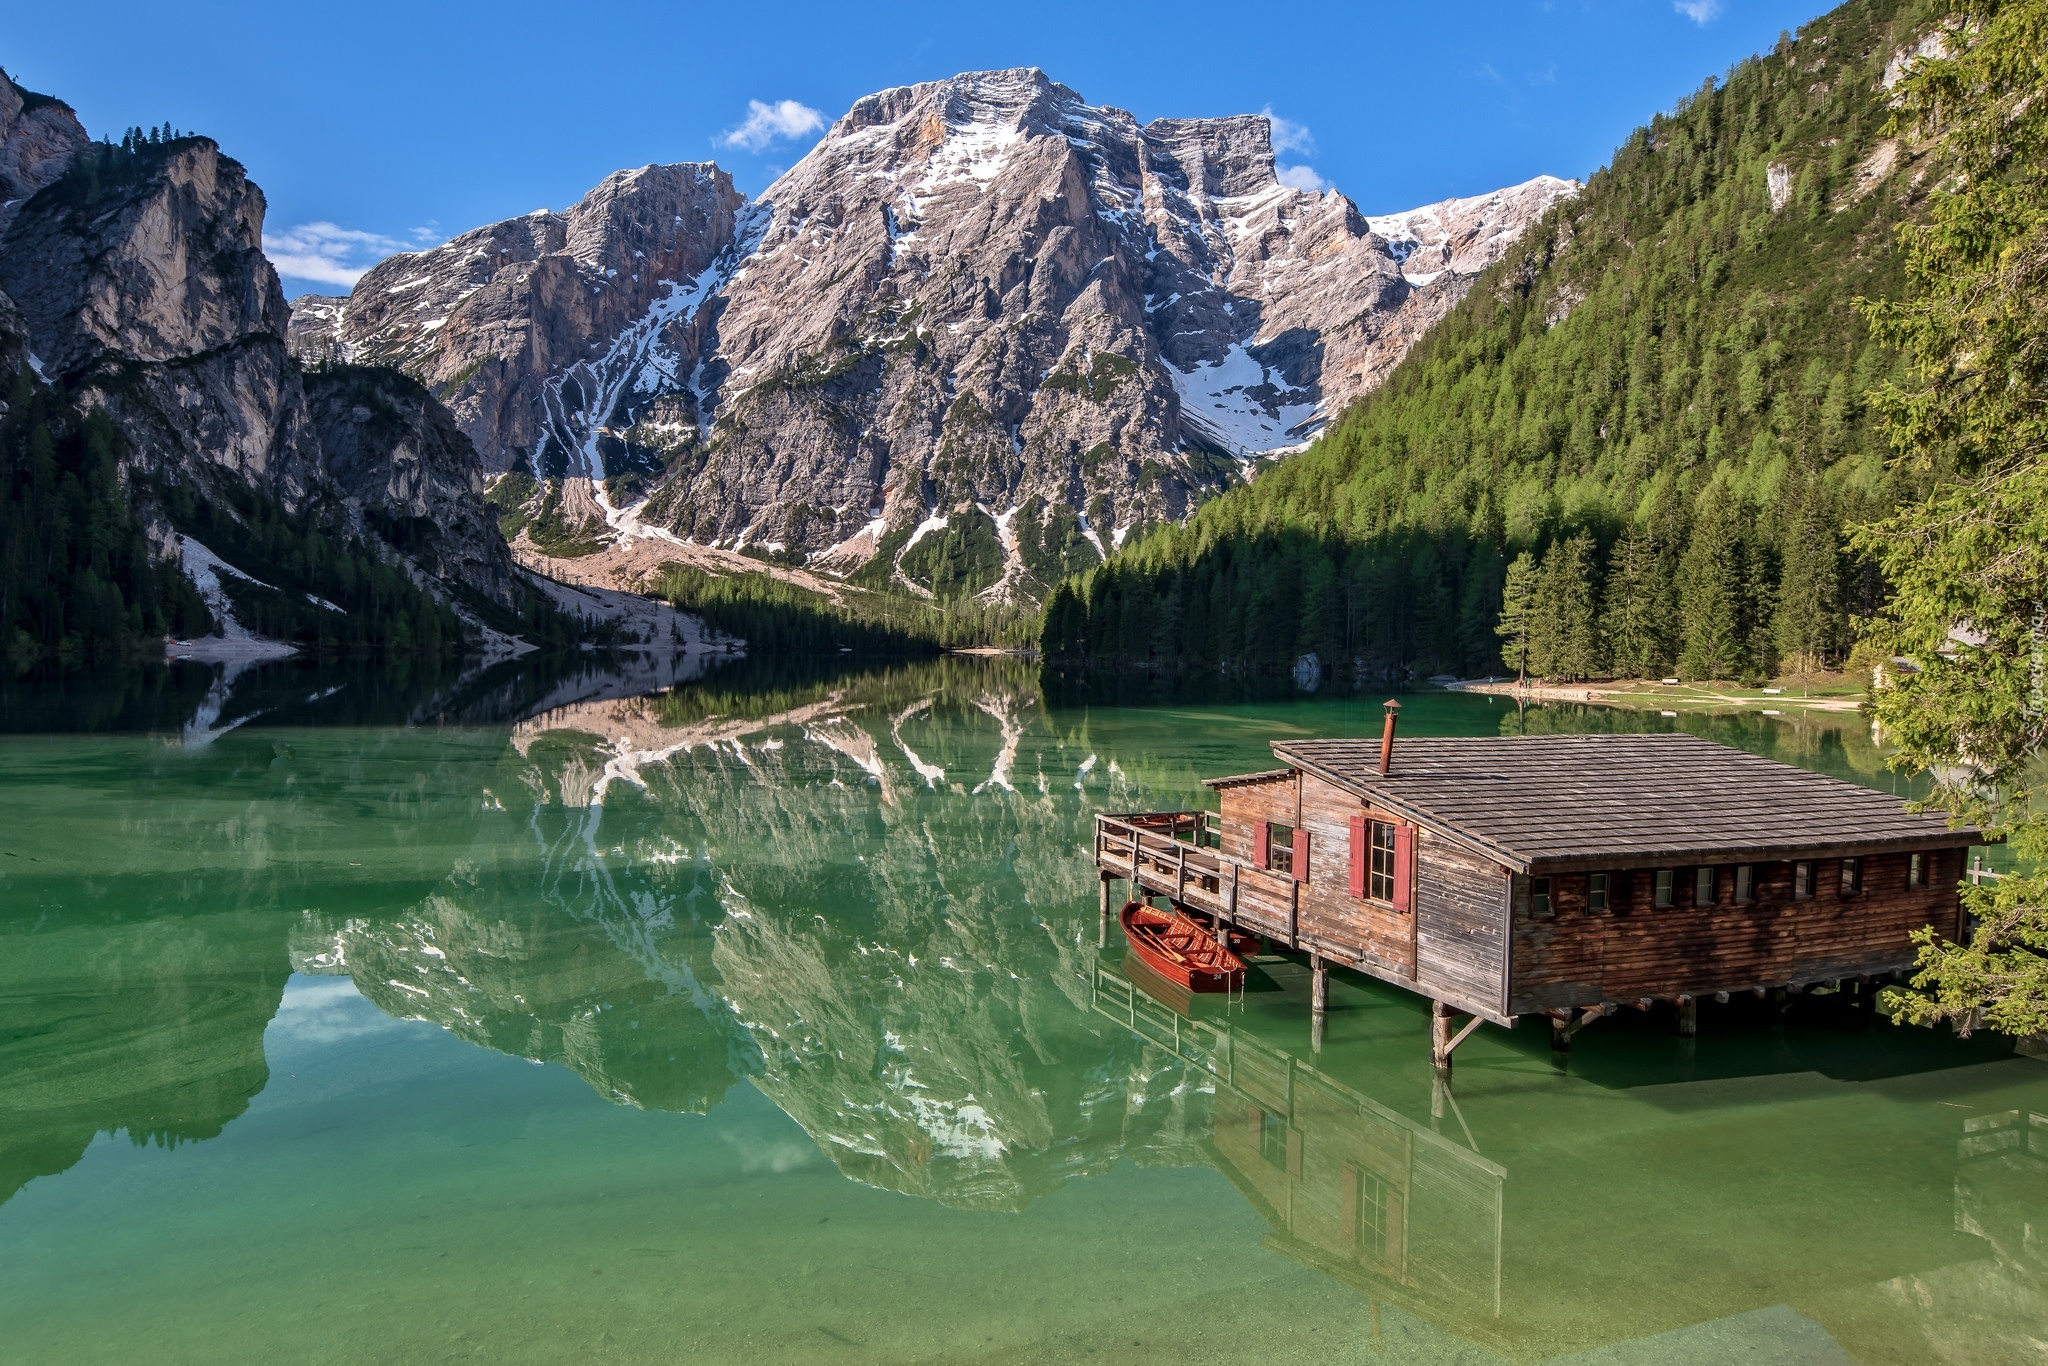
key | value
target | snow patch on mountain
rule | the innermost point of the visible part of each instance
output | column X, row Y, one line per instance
column 1248, row 408
column 642, row 362
column 233, row 641
column 1465, row 235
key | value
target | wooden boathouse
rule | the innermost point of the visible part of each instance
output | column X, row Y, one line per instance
column 1556, row 875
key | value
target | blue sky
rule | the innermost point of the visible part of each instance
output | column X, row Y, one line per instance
column 376, row 125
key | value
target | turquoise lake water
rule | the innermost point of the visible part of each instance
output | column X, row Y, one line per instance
column 769, row 1023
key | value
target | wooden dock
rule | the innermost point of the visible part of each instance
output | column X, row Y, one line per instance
column 1174, row 854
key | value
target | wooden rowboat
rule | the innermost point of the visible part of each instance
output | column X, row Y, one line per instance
column 1179, row 950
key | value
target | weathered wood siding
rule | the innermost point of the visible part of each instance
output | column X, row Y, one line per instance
column 1374, row 933
column 1272, row 800
column 1577, row 958
column 1461, row 923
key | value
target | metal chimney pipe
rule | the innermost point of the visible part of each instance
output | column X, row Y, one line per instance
column 1387, row 737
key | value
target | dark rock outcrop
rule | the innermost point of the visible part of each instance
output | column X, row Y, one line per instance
column 142, row 281
column 141, row 287
column 400, row 457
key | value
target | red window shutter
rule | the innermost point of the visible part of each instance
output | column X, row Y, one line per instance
column 1360, row 852
column 1261, row 839
column 1404, row 865
column 1301, row 855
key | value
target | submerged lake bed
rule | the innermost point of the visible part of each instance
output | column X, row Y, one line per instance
column 769, row 1019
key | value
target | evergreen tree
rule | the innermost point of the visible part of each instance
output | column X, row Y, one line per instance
column 1809, row 615
column 79, row 582
column 1636, row 620
column 1518, row 607
column 1565, row 638
column 1710, row 592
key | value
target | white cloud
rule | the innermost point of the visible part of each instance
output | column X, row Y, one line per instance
column 1301, row 178
column 768, row 123
column 329, row 254
column 1289, row 136
column 1701, row 12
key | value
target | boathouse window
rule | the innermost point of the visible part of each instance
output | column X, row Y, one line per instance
column 1745, row 883
column 1667, row 889
column 1596, row 894
column 1916, row 870
column 1531, row 896
column 1273, row 1138
column 1802, row 881
column 1280, row 848
column 1852, row 876
column 1703, row 880
column 1372, row 1216
column 1380, row 884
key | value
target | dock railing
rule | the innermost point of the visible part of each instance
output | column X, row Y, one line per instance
column 1175, row 853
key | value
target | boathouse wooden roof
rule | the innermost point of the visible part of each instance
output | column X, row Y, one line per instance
column 1271, row 775
column 1557, row 802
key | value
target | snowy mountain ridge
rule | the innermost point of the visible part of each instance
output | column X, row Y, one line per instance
column 981, row 302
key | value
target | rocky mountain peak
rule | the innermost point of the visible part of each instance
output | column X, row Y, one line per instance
column 510, row 323
column 979, row 307
column 1465, row 236
column 1008, row 99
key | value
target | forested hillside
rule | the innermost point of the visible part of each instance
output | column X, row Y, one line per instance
column 77, row 577
column 1648, row 421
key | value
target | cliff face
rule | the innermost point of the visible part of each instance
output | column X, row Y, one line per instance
column 142, row 282
column 511, row 324
column 38, row 136
column 399, row 456
column 136, row 283
column 981, row 304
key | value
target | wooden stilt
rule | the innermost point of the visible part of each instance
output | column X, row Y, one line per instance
column 1319, row 983
column 1440, row 1017
column 1562, row 1026
column 1315, row 1031
column 1688, row 1017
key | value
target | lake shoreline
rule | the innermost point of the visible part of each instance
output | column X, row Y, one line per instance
column 1647, row 694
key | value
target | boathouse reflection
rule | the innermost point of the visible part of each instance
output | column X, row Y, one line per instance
column 1351, row 1188
column 1755, row 1206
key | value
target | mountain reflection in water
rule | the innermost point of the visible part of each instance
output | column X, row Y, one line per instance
column 869, row 897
